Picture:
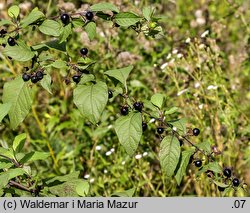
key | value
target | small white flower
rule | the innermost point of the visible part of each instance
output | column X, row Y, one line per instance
column 102, row 34
column 112, row 150
column 163, row 66
column 198, row 13
column 105, row 171
column 202, row 46
column 123, row 162
column 108, row 153
column 86, row 176
column 92, row 180
column 200, row 106
column 197, row 85
column 98, row 148
column 152, row 120
column 138, row 156
column 181, row 92
column 110, row 126
column 210, row 87
column 169, row 56
column 179, row 55
column 188, row 40
column 174, row 128
column 175, row 51
column 200, row 21
column 203, row 35
column 144, row 154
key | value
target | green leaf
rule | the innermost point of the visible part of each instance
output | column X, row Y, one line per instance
column 46, row 83
column 20, row 52
column 86, row 78
column 169, row 154
column 6, row 22
column 223, row 185
column 4, row 110
column 82, row 188
column 65, row 33
column 90, row 29
column 64, row 178
column 91, row 100
column 13, row 11
column 7, row 152
column 129, row 131
column 59, row 64
column 78, row 22
column 180, row 124
column 213, row 166
column 204, row 146
column 33, row 17
column 34, row 156
column 171, row 110
column 147, row 13
column 5, row 177
column 19, row 95
column 158, row 99
column 19, row 142
column 103, row 6
column 120, row 74
column 126, row 19
column 5, row 164
column 127, row 193
column 50, row 27
column 185, row 156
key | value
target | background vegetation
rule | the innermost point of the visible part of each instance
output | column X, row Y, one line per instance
column 201, row 63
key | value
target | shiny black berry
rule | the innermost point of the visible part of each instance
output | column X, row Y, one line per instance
column 110, row 94
column 221, row 189
column 236, row 182
column 160, row 130
column 65, row 18
column 124, row 110
column 39, row 75
column 11, row 41
column 76, row 78
column 84, row 51
column 196, row 131
column 26, row 77
column 144, row 126
column 227, row 172
column 34, row 79
column 89, row 15
column 138, row 106
column 198, row 163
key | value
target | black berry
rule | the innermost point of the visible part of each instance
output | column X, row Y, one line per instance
column 138, row 106
column 236, row 182
column 124, row 110
column 26, row 77
column 144, row 126
column 196, row 131
column 2, row 32
column 221, row 189
column 110, row 94
column 84, row 51
column 198, row 163
column 65, row 18
column 89, row 15
column 76, row 78
column 39, row 75
column 11, row 41
column 160, row 130
column 34, row 79
column 227, row 172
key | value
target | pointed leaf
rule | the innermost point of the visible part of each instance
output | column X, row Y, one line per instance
column 147, row 12
column 213, row 166
column 127, row 19
column 50, row 27
column 19, row 95
column 103, row 6
column 33, row 16
column 169, row 154
column 5, row 177
column 120, row 74
column 185, row 156
column 158, row 99
column 46, row 83
column 91, row 100
column 19, row 142
column 65, row 33
column 171, row 110
column 180, row 124
column 129, row 131
column 13, row 11
column 90, row 29
column 34, row 156
column 204, row 146
column 82, row 188
column 127, row 193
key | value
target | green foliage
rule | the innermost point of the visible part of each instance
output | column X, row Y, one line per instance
column 127, row 19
